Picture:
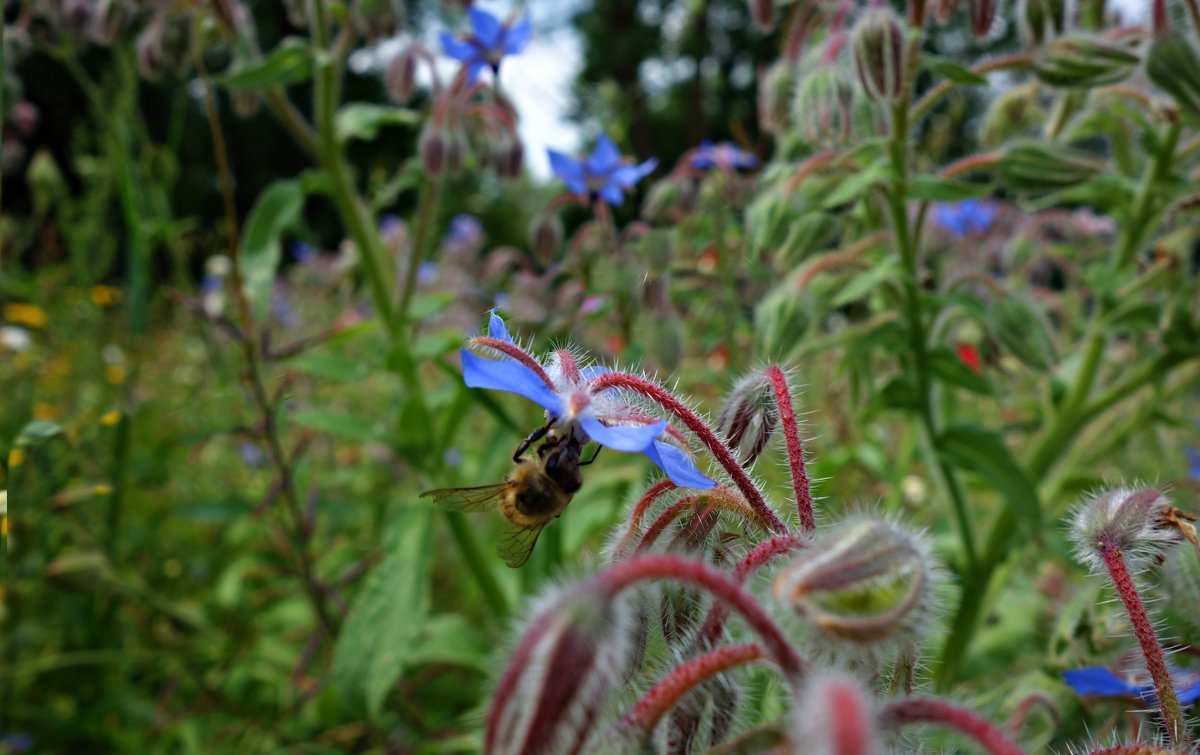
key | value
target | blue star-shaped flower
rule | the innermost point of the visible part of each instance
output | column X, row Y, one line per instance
column 726, row 156
column 965, row 218
column 604, row 173
column 488, row 43
column 1103, row 682
column 564, row 390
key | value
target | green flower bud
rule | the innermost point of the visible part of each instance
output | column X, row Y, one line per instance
column 775, row 95
column 1041, row 20
column 1037, row 167
column 879, row 54
column 1174, row 66
column 1011, row 113
column 1081, row 60
column 866, row 585
column 821, row 108
column 1022, row 329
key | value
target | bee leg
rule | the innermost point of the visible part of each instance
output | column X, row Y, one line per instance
column 534, row 437
column 594, row 455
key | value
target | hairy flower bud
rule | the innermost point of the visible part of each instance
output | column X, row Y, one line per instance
column 1041, row 20
column 1037, row 167
column 151, row 59
column 879, row 54
column 1081, row 60
column 1012, row 112
column 749, row 417
column 821, row 108
column 570, row 656
column 1137, row 523
column 77, row 16
column 1174, row 66
column 866, row 584
column 775, row 91
column 545, row 237
column 983, row 15
column 432, row 147
column 762, row 13
column 401, row 75
column 1023, row 330
column 110, row 18
column 377, row 19
column 836, row 716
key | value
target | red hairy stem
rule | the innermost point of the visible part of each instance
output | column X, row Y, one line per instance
column 672, row 512
column 566, row 361
column 671, row 688
column 1017, row 721
column 1143, row 629
column 517, row 353
column 702, row 431
column 917, row 710
column 639, row 511
column 787, row 417
column 657, row 566
column 759, row 555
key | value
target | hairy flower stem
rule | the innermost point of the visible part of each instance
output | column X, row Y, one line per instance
column 706, row 434
column 669, row 690
column 653, row 567
column 914, row 710
column 714, row 622
column 787, row 417
column 639, row 512
column 1143, row 629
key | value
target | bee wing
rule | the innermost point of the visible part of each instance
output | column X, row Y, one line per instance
column 517, row 543
column 478, row 498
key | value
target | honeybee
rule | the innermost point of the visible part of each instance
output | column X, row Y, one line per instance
column 533, row 493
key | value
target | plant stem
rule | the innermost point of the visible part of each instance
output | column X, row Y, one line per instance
column 477, row 563
column 1134, row 230
column 913, row 710
column 787, row 418
column 669, row 690
column 427, row 211
column 1143, row 629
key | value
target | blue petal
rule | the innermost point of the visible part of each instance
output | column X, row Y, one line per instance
column 622, row 437
column 628, row 175
column 1188, row 695
column 588, row 374
column 702, row 160
column 511, row 376
column 497, row 329
column 569, row 170
column 678, row 466
column 474, row 68
column 517, row 36
column 604, row 158
column 611, row 192
column 486, row 27
column 743, row 159
column 1098, row 681
column 457, row 48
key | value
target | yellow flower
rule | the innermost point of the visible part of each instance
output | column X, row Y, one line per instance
column 44, row 411
column 105, row 296
column 102, row 488
column 114, row 374
column 16, row 458
column 25, row 314
column 110, row 418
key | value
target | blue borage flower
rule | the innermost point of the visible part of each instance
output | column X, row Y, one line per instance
column 965, row 218
column 604, row 173
column 488, row 43
column 1103, row 682
column 1193, row 457
column 564, row 390
column 725, row 156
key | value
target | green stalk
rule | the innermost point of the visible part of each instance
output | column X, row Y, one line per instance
column 1143, row 212
column 427, row 211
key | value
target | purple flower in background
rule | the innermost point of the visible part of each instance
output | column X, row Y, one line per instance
column 1193, row 455
column 488, row 42
column 603, row 173
column 302, row 252
column 252, row 455
column 1102, row 682
column 465, row 233
column 390, row 224
column 725, row 156
column 965, row 218
column 564, row 390
column 427, row 272
column 15, row 743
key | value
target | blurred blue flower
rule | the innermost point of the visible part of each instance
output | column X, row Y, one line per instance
column 1102, row 682
column 726, row 156
column 603, row 173
column 565, row 392
column 211, row 284
column 965, row 218
column 1193, row 456
column 465, row 230
column 427, row 272
column 390, row 224
column 488, row 42
column 252, row 455
column 302, row 251
column 14, row 743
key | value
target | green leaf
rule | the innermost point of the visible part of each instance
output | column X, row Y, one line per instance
column 291, row 62
column 362, row 120
column 946, row 365
column 953, row 71
column 38, row 431
column 870, row 280
column 857, row 185
column 387, row 617
column 261, row 248
column 982, row 451
column 940, row 190
column 449, row 638
column 341, row 425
